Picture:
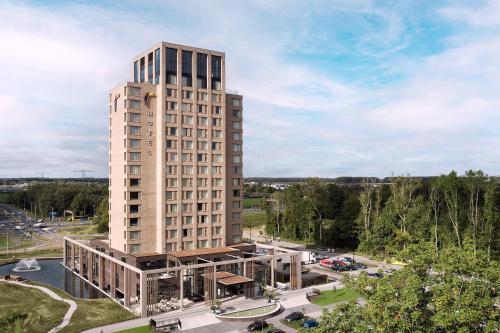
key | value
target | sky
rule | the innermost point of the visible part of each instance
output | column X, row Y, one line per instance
column 331, row 88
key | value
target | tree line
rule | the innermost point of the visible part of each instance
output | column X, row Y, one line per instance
column 383, row 219
column 83, row 199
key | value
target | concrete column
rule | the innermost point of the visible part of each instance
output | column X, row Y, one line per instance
column 299, row 272
column 144, row 294
column 90, row 266
column 80, row 260
column 112, row 279
column 215, row 282
column 101, row 272
column 65, row 244
column 272, row 272
column 126, row 288
column 181, row 289
column 244, row 269
column 73, row 256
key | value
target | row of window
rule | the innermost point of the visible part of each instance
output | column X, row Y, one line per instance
column 201, row 219
column 189, row 207
column 189, row 170
column 202, row 194
column 188, row 245
column 188, row 182
column 188, row 107
column 188, row 157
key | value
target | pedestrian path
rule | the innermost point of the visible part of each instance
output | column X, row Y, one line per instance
column 69, row 313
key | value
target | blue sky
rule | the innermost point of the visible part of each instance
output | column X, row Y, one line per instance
column 332, row 88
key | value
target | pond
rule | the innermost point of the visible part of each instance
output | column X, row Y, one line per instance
column 54, row 274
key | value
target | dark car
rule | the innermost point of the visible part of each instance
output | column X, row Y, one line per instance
column 376, row 275
column 257, row 325
column 275, row 330
column 310, row 323
column 360, row 265
column 294, row 316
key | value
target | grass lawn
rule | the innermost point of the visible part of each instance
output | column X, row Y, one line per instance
column 79, row 230
column 252, row 202
column 4, row 197
column 253, row 219
column 43, row 313
column 92, row 313
column 3, row 242
column 335, row 296
column 56, row 253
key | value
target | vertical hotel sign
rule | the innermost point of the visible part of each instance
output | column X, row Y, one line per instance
column 147, row 101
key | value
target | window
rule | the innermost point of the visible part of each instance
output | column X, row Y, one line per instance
column 169, row 220
column 170, row 118
column 188, row 120
column 203, row 121
column 216, row 230
column 216, row 109
column 134, row 235
column 172, row 234
column 202, row 108
column 172, row 208
column 216, row 218
column 187, row 182
column 236, row 159
column 236, row 228
column 135, row 248
column 172, row 106
column 171, row 169
column 236, row 204
column 217, row 206
column 134, row 169
column 134, row 182
column 236, row 147
column 236, row 216
column 134, row 209
column 136, row 71
column 236, row 193
column 201, row 232
column 216, row 98
column 135, row 117
column 202, row 243
column 216, row 121
column 171, row 195
column 202, row 145
column 237, row 170
column 201, row 133
column 188, row 232
column 216, row 181
column 217, row 134
column 187, row 169
column 171, row 92
column 150, row 67
column 186, row 131
column 201, row 157
column 236, row 113
column 172, row 182
column 201, row 70
column 203, row 170
column 135, row 143
column 236, row 136
column 157, row 66
column 171, row 64
column 186, row 107
column 186, row 157
column 134, row 104
column 171, row 144
column 187, row 220
column 187, row 58
column 236, row 102
column 236, row 125
column 141, row 78
column 187, row 144
column 216, row 72
column 187, row 195
column 217, row 158
column 135, row 130
column 201, row 182
column 171, row 130
column 135, row 195
column 203, row 97
column 134, row 91
column 133, row 222
column 134, row 156
column 236, row 181
column 172, row 157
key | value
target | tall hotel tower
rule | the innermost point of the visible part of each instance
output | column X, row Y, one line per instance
column 175, row 154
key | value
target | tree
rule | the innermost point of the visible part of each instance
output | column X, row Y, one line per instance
column 450, row 186
column 102, row 216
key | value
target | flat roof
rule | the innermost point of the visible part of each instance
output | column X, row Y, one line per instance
column 228, row 278
column 201, row 252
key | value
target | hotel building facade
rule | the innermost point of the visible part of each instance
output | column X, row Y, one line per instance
column 175, row 154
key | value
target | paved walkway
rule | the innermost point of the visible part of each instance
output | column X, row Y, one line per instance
column 199, row 319
column 69, row 313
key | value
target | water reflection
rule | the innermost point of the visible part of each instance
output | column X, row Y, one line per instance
column 53, row 273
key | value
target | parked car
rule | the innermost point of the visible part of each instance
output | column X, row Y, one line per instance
column 294, row 316
column 310, row 323
column 376, row 275
column 257, row 325
column 275, row 330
